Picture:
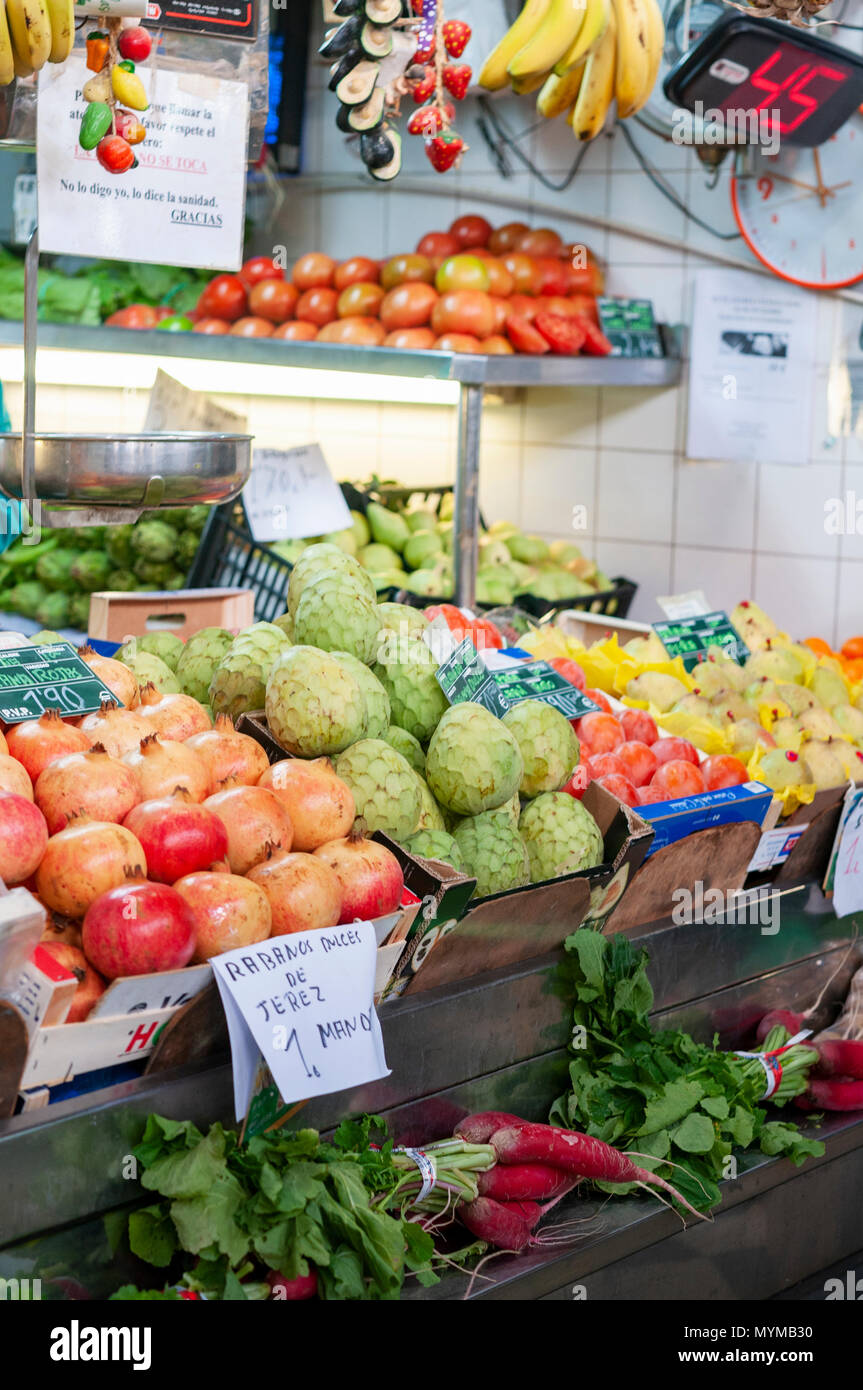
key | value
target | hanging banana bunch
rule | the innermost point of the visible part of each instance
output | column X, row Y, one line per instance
column 33, row 33
column 580, row 56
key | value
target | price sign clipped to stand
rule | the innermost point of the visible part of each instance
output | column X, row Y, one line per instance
column 225, row 19
column 305, row 1004
column 845, row 870
column 36, row 679
column 690, row 638
column 292, row 494
column 508, row 681
column 630, row 327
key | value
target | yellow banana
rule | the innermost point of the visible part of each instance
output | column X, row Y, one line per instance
column 559, row 93
column 523, row 86
column 7, row 58
column 655, row 45
column 554, row 36
column 630, row 78
column 21, row 69
column 61, row 19
column 591, row 31
column 494, row 73
column 597, row 85
column 31, row 32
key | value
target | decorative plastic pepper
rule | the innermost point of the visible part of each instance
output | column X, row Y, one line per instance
column 128, row 88
column 127, row 65
column 97, row 50
column 96, row 123
column 115, row 154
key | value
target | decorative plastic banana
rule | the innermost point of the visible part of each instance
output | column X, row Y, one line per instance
column 33, row 33
column 581, row 56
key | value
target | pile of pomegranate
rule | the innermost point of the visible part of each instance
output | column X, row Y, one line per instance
column 154, row 839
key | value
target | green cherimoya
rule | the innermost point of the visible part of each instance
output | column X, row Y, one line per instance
column 53, row 611
column 407, row 672
column 198, row 661
column 319, row 560
column 548, row 744
column 385, row 787
column 436, row 844
column 154, row 541
column 336, row 613
column 493, row 853
column 118, row 546
column 431, row 817
column 149, row 669
column 239, row 682
column 164, row 645
column 376, row 698
column 561, row 836
column 315, row 707
column 90, row 570
column 408, row 746
column 54, row 570
column 473, row 762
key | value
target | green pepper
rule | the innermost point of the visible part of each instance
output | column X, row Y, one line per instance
column 175, row 323
column 126, row 65
column 96, row 123
column 23, row 555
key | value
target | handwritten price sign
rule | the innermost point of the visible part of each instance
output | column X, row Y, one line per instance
column 848, row 873
column 292, row 494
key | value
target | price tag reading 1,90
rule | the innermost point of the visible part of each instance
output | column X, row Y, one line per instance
column 690, row 638
column 36, row 679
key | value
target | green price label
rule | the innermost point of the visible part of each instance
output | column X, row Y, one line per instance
column 630, row 326
column 690, row 638
column 36, row 679
column 464, row 677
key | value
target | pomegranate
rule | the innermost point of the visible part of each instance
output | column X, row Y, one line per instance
column 174, row 716
column 23, row 837
column 4, row 747
column 59, row 929
column 90, row 983
column 370, row 876
column 118, row 678
column 256, row 821
column 91, row 784
column 233, row 760
column 118, row 730
column 139, row 928
column 319, row 804
column 38, row 742
column 14, row 778
column 163, row 767
column 178, row 836
column 304, row 893
column 228, row 910
column 84, row 861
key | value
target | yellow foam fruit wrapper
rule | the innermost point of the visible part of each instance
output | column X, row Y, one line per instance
column 698, row 731
column 672, row 667
column 769, row 714
column 544, row 643
column 600, row 663
column 792, row 798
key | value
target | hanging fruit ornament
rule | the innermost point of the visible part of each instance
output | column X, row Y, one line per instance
column 107, row 126
column 798, row 12
column 439, row 40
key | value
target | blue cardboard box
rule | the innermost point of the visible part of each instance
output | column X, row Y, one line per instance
column 673, row 820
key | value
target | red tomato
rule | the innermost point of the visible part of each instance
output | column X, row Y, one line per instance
column 438, row 244
column 164, row 311
column 605, row 765
column 408, row 306
column 501, row 313
column 362, row 299
column 500, row 282
column 457, row 342
column 678, row 777
column 601, row 732
column 485, row 635
column 409, row 266
column 115, row 154
column 598, row 698
column 524, row 336
column 595, row 342
column 496, row 346
column 524, row 306
column 542, row 242
column 638, row 761
column 357, row 270
column 260, row 268
column 275, row 300
column 296, row 332
column 563, row 335
column 455, row 620
column 314, row 270
column 134, row 316
column 637, row 724
column 619, row 787
column 224, row 298
column 416, row 339
column 503, row 239
column 673, row 749
column 215, row 326
column 723, row 771
column 252, row 328
column 584, row 279
column 134, row 44
column 464, row 311
column 463, row 272
column 570, row 670
column 318, row 306
column 552, row 275
column 470, row 231
column 524, row 272
column 358, row 329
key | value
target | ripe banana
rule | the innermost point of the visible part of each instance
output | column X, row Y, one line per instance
column 591, row 31
column 559, row 93
column 597, row 85
column 523, row 86
column 21, row 69
column 494, row 73
column 655, row 45
column 61, row 19
column 631, row 75
column 554, row 37
column 7, row 59
column 31, row 32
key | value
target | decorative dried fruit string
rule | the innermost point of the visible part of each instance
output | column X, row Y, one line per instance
column 439, row 40
column 107, row 126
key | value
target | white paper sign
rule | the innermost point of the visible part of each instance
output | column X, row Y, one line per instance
column 848, row 875
column 305, row 1003
column 775, row 846
column 292, row 494
column 691, row 605
column 750, row 382
column 183, row 205
column 173, row 406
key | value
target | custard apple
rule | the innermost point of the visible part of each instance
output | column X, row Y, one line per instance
column 376, row 698
column 436, row 844
column 548, row 744
column 416, row 700
column 314, row 706
column 493, row 853
column 561, row 836
column 240, row 680
column 431, row 816
column 164, row 645
column 198, row 661
column 336, row 614
column 408, row 746
column 146, row 668
column 473, row 762
column 385, row 787
column 320, row 560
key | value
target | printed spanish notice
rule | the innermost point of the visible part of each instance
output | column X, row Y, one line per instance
column 185, row 202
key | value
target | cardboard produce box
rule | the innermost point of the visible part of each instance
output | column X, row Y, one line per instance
column 182, row 612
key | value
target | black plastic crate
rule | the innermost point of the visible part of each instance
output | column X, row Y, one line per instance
column 614, row 602
column 228, row 557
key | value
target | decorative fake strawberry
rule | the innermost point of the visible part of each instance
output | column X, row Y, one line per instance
column 444, row 150
column 456, row 36
column 424, row 88
column 417, row 6
column 456, row 79
column 428, row 120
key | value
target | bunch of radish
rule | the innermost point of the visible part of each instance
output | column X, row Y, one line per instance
column 836, row 1081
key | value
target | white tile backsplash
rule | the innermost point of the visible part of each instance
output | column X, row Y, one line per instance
column 791, row 509
column 635, row 496
column 715, row 505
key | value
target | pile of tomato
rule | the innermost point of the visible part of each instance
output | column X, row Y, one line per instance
column 473, row 288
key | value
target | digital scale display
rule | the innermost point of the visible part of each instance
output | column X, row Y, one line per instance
column 794, row 85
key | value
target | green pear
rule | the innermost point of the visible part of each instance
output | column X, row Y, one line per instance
column 745, row 736
column 502, row 529
column 387, row 579
column 695, row 705
column 819, row 724
column 657, row 689
column 493, row 587
column 421, row 549
column 446, row 507
column 387, row 527
column 493, row 552
column 850, row 721
column 732, row 705
column 796, row 697
column 780, row 769
column 564, row 552
column 786, row 733
column 761, row 692
column 420, row 520
column 379, row 557
column 528, row 549
column 360, row 528
column 826, row 769
column 749, row 612
column 850, row 757
column 646, row 649
column 829, row 688
column 775, row 662
column 345, row 540
column 710, row 678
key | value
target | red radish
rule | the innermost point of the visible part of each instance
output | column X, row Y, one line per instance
column 38, row 742
column 232, row 759
column 638, row 761
column 319, row 803
column 370, row 877
column 292, row 1290
column 605, row 765
column 14, row 778
column 640, row 726
column 138, row 928
column 840, row 1057
column 23, row 838
column 601, row 732
column 832, row 1095
column 174, row 716
column 620, row 787
column 229, row 911
column 531, row 1212
column 256, row 822
column 163, row 766
column 517, row 1182
column 570, row 670
column 302, row 891
column 118, row 678
column 178, row 837
column 90, row 983
column 780, row 1018
column 118, row 730
column 83, row 862
column 92, row 784
column 498, row 1224
column 671, row 749
column 599, row 698
column 478, row 1129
